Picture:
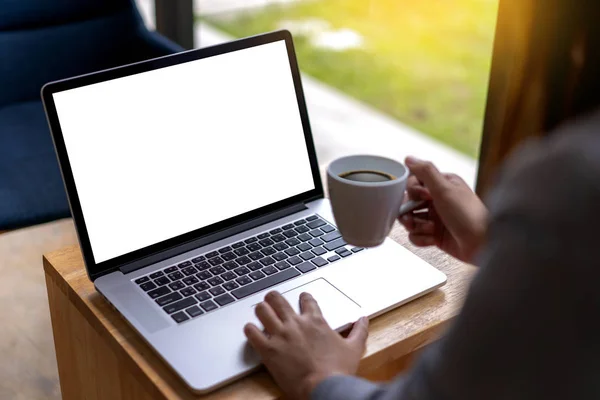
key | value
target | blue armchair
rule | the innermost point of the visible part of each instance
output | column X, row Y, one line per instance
column 42, row 41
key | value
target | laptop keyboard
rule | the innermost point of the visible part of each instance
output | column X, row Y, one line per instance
column 215, row 279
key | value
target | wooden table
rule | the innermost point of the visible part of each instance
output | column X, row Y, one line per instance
column 101, row 357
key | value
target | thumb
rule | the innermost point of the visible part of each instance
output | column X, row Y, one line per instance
column 359, row 333
column 427, row 173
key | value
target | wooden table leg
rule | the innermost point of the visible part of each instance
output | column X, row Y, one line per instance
column 87, row 367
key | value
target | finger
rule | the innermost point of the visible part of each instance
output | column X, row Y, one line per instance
column 412, row 220
column 256, row 337
column 423, row 227
column 308, row 305
column 427, row 173
column 268, row 318
column 280, row 305
column 421, row 240
column 359, row 333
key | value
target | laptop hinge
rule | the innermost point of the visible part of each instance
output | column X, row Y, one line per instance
column 213, row 237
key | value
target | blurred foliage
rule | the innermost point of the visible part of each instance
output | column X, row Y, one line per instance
column 425, row 62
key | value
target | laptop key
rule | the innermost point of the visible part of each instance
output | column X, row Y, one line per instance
column 251, row 240
column 331, row 236
column 254, row 266
column 175, row 276
column 254, row 247
column 357, row 249
column 203, row 266
column 184, row 264
column 176, row 285
column 256, row 255
column 224, row 299
column 304, row 247
column 217, row 290
column 243, row 280
column 204, row 275
column 305, row 237
column 148, row 286
column 306, row 267
column 242, row 251
column 290, row 233
column 327, row 228
column 203, row 296
column 302, row 229
column 335, row 244
column 188, row 291
column 294, row 260
column 341, row 250
column 161, row 291
column 263, row 235
column 228, row 276
column 316, row 233
column 266, row 242
column 319, row 262
column 141, row 280
column 281, row 265
column 208, row 305
column 280, row 256
column 163, row 280
column 275, row 231
column 241, row 271
column 229, row 256
column 180, row 317
column 256, row 275
column 230, row 265
column 243, row 260
column 268, row 251
column 171, row 297
column 217, row 270
column 267, row 261
column 215, row 281
column 170, row 270
column 156, row 274
column 300, row 222
column 278, row 238
column 319, row 251
column 216, row 261
column 333, row 258
column 292, row 242
column 237, row 245
column 212, row 254
column 315, row 224
column 225, row 250
column 307, row 255
column 230, row 285
column 190, row 280
column 194, row 311
column 263, row 284
column 280, row 246
column 190, row 271
column 201, row 286
column 288, row 226
column 198, row 259
column 346, row 253
column 311, row 218
column 316, row 242
column 270, row 270
column 292, row 251
column 180, row 305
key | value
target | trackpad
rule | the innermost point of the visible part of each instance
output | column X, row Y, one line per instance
column 338, row 309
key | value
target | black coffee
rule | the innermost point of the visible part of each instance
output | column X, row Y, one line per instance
column 367, row 176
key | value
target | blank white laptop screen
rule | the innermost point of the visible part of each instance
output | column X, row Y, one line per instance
column 165, row 152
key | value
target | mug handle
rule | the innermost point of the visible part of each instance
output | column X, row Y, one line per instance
column 410, row 206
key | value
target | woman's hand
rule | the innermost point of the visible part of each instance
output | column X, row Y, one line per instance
column 457, row 219
column 301, row 351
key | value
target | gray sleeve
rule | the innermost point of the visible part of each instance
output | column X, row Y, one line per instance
column 526, row 329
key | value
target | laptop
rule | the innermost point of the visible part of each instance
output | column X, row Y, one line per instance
column 195, row 189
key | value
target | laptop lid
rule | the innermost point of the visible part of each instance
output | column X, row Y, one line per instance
column 158, row 154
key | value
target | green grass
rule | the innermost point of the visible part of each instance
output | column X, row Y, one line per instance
column 425, row 62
